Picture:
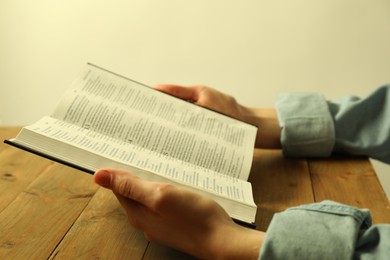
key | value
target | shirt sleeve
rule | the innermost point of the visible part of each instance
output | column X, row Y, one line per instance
column 307, row 127
column 326, row 230
column 313, row 126
column 362, row 125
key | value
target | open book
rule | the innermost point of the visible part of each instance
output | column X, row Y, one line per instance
column 107, row 120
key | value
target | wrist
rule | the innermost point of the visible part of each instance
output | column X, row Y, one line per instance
column 266, row 120
column 238, row 243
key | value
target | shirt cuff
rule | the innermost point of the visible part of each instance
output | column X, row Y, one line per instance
column 307, row 127
column 325, row 229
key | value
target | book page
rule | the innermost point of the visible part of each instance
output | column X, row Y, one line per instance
column 63, row 135
column 168, row 128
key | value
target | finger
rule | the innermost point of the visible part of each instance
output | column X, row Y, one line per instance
column 127, row 185
column 139, row 216
column 185, row 93
column 153, row 225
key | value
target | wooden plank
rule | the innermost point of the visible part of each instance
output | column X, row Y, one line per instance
column 351, row 181
column 102, row 232
column 17, row 168
column 35, row 222
column 278, row 183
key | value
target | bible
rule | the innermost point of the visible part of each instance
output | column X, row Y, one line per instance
column 107, row 120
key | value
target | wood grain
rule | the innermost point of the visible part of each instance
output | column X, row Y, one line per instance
column 17, row 168
column 102, row 232
column 278, row 183
column 36, row 221
column 350, row 181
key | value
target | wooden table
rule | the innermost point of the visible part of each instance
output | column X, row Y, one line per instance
column 48, row 210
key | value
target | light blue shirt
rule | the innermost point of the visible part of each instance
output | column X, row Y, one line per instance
column 312, row 126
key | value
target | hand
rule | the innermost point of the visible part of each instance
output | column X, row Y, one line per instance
column 206, row 97
column 264, row 118
column 180, row 218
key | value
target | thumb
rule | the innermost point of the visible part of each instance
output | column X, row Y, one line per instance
column 120, row 182
column 125, row 184
column 185, row 93
column 103, row 178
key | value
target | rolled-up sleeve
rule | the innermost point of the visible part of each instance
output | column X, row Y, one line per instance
column 307, row 127
column 326, row 230
column 311, row 126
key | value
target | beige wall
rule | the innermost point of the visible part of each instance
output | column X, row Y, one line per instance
column 251, row 49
